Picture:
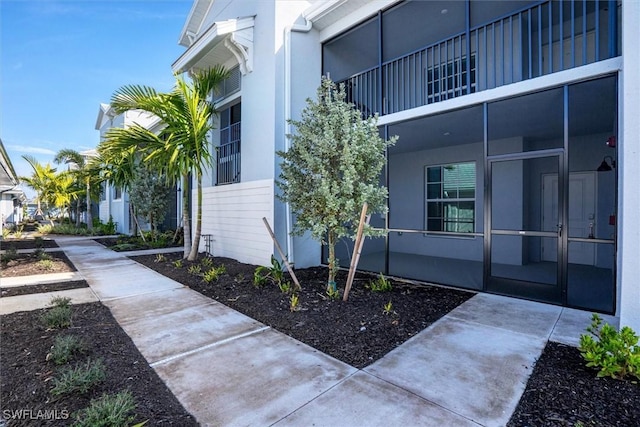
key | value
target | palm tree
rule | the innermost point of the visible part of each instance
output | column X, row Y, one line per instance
column 41, row 181
column 181, row 148
column 83, row 173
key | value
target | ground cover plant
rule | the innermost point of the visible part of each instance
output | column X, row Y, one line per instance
column 90, row 373
column 14, row 264
column 152, row 240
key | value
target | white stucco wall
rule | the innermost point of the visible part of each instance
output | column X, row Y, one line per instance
column 629, row 161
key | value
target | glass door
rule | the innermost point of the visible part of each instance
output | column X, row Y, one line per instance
column 524, row 251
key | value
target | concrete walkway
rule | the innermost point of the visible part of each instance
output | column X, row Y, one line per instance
column 468, row 369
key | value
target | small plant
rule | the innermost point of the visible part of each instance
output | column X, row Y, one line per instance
column 5, row 233
column 195, row 269
column 177, row 263
column 110, row 410
column 80, row 378
column 274, row 274
column 214, row 273
column 18, row 232
column 388, row 308
column 60, row 302
column 333, row 293
column 59, row 316
column 160, row 258
column 40, row 254
column 65, row 348
column 285, row 287
column 615, row 354
column 206, row 262
column 39, row 242
column 294, row 303
column 45, row 228
column 45, row 264
column 381, row 284
column 9, row 255
column 260, row 276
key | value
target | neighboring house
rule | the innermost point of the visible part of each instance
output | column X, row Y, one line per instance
column 11, row 195
column 114, row 201
column 514, row 172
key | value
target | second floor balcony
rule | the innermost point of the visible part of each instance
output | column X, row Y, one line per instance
column 418, row 53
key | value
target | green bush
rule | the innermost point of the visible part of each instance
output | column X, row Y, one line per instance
column 213, row 273
column 615, row 354
column 45, row 264
column 65, row 348
column 274, row 274
column 45, row 228
column 57, row 317
column 111, row 410
column 9, row 255
column 80, row 378
column 381, row 284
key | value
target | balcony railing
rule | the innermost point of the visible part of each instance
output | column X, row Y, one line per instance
column 538, row 40
column 228, row 155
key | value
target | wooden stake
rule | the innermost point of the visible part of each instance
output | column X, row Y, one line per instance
column 282, row 255
column 357, row 247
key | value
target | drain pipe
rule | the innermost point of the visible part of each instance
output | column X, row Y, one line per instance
column 298, row 28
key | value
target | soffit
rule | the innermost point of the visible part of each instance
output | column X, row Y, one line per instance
column 195, row 19
column 221, row 42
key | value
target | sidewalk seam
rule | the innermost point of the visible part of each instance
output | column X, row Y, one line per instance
column 208, row 346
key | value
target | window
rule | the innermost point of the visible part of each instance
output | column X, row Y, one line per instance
column 450, row 197
column 228, row 153
column 103, row 191
column 449, row 79
column 117, row 193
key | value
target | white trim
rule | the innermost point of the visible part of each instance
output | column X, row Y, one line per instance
column 215, row 36
column 532, row 85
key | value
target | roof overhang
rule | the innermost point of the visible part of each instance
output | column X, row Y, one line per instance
column 104, row 113
column 8, row 176
column 221, row 42
column 325, row 13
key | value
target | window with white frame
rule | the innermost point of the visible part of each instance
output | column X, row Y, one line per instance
column 450, row 197
column 117, row 193
column 228, row 152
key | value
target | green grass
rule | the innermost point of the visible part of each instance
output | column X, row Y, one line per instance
column 111, row 410
column 65, row 348
column 80, row 378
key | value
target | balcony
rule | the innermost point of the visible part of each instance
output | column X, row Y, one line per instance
column 228, row 155
column 539, row 39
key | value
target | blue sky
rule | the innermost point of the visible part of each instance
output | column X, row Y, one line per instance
column 59, row 59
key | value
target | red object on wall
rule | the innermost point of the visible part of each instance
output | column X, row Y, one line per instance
column 611, row 142
column 612, row 220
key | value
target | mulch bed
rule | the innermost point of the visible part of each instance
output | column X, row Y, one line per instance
column 26, row 375
column 27, row 244
column 356, row 332
column 28, row 264
column 46, row 287
column 563, row 392
column 130, row 243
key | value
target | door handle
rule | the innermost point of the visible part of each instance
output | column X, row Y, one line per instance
column 559, row 230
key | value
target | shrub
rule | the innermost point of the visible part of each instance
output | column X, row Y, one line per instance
column 80, row 378
column 5, row 233
column 381, row 284
column 194, row 269
column 45, row 229
column 65, row 348
column 57, row 317
column 45, row 264
column 111, row 410
column 177, row 263
column 160, row 258
column 18, row 232
column 214, row 273
column 206, row 262
column 615, row 354
column 60, row 301
column 8, row 255
column 274, row 274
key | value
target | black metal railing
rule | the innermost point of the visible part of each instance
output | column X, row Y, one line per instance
column 546, row 38
column 228, row 155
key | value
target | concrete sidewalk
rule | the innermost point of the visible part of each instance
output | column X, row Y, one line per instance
column 468, row 369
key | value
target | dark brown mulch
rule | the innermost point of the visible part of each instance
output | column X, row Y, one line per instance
column 26, row 375
column 356, row 332
column 45, row 287
column 27, row 244
column 562, row 391
column 132, row 243
column 29, row 264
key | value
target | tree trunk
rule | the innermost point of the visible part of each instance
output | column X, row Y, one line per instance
column 333, row 268
column 89, row 217
column 186, row 224
column 195, row 245
column 78, row 213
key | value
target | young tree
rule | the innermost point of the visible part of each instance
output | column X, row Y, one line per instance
column 332, row 168
column 149, row 195
column 181, row 147
column 41, row 180
column 84, row 174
